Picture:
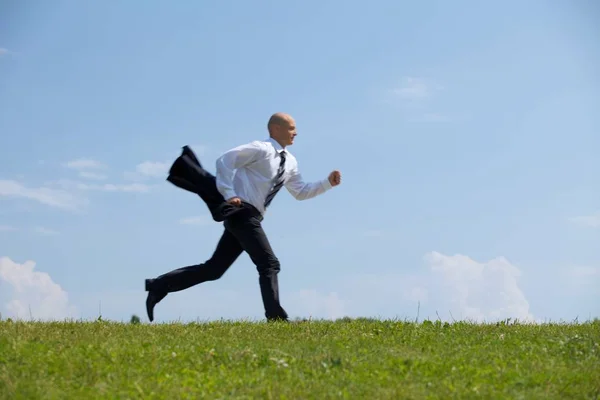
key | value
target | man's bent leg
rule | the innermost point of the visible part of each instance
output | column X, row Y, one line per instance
column 227, row 251
column 254, row 241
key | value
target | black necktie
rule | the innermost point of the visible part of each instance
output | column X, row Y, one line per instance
column 278, row 181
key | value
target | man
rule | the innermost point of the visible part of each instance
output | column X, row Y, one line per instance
column 248, row 178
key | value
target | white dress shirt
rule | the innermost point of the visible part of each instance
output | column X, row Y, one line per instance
column 248, row 172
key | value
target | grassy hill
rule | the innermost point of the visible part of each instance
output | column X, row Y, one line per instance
column 353, row 359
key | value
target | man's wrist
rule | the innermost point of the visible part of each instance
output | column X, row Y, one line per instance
column 229, row 194
column 326, row 184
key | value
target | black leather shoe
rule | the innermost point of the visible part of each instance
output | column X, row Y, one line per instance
column 281, row 316
column 152, row 300
column 278, row 319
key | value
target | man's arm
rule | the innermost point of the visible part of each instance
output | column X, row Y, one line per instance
column 302, row 190
column 232, row 160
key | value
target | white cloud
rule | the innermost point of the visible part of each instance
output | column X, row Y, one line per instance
column 45, row 231
column 110, row 187
column 88, row 168
column 153, row 169
column 311, row 303
column 84, row 163
column 104, row 187
column 584, row 271
column 197, row 220
column 434, row 117
column 65, row 194
column 583, row 276
column 160, row 169
column 413, row 88
column 416, row 89
column 414, row 96
column 148, row 170
column 417, row 294
column 92, row 175
column 478, row 291
column 49, row 196
column 31, row 293
column 592, row 220
column 449, row 286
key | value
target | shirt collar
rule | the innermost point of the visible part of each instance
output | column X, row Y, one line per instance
column 277, row 146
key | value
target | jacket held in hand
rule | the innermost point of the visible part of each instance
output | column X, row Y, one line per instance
column 188, row 174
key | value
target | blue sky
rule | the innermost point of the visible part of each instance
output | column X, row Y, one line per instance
column 467, row 134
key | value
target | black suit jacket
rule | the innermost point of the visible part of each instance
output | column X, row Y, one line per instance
column 188, row 174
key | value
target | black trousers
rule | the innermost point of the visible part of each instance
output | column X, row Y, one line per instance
column 243, row 232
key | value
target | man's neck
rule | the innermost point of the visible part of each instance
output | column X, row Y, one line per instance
column 278, row 142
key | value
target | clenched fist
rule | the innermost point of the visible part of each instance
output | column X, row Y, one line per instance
column 335, row 178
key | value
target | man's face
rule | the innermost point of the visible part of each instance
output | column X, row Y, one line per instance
column 286, row 132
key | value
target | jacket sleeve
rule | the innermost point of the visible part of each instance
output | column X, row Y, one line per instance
column 232, row 160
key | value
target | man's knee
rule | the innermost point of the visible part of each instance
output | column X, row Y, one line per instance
column 214, row 271
column 214, row 274
column 268, row 265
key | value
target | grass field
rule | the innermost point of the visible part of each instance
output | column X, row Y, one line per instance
column 354, row 359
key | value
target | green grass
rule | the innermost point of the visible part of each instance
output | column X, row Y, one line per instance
column 354, row 359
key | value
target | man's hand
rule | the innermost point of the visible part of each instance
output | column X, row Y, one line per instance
column 235, row 201
column 335, row 178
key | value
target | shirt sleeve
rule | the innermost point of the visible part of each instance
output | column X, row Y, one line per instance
column 302, row 190
column 232, row 160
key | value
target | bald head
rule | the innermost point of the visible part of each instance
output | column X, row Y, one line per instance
column 282, row 128
column 279, row 119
